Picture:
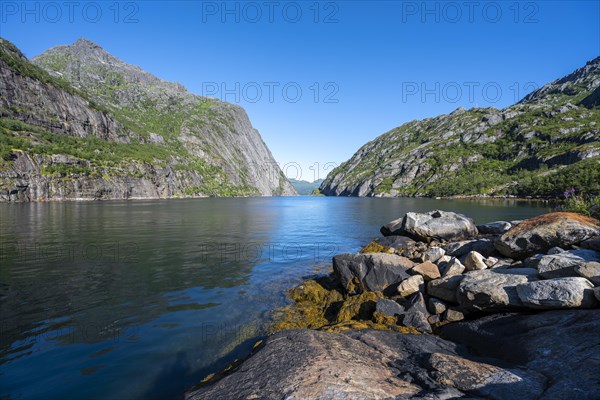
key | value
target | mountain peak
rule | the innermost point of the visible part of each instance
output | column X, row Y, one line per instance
column 83, row 42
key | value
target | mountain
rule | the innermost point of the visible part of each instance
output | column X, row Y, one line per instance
column 78, row 123
column 305, row 188
column 544, row 144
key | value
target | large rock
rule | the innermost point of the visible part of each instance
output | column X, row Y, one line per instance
column 564, row 346
column 558, row 293
column 396, row 242
column 563, row 264
column 488, row 290
column 434, row 225
column 371, row 272
column 538, row 234
column 368, row 364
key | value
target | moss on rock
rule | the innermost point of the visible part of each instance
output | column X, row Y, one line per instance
column 375, row 247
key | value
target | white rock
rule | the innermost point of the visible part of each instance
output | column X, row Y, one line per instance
column 433, row 254
column 474, row 261
column 411, row 285
column 558, row 293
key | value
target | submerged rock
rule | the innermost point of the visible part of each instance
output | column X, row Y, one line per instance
column 539, row 234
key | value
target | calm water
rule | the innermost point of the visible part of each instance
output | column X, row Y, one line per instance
column 131, row 300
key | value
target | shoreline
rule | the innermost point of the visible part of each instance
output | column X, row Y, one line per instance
column 414, row 288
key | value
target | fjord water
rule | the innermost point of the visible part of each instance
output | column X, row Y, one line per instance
column 141, row 299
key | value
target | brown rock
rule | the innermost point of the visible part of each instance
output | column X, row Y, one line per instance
column 428, row 270
column 539, row 234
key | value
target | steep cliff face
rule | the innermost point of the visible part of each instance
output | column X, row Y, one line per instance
column 542, row 145
column 85, row 125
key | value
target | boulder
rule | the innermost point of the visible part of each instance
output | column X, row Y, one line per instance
column 371, row 272
column 451, row 267
column 494, row 228
column 411, row 285
column 597, row 293
column 445, row 288
column 427, row 270
column 558, row 293
column 538, row 234
column 485, row 247
column 433, row 254
column 563, row 346
column 591, row 271
column 434, row 225
column 492, row 290
column 475, row 261
column 563, row 264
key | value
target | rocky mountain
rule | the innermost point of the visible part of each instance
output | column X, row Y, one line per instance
column 78, row 123
column 547, row 142
column 305, row 188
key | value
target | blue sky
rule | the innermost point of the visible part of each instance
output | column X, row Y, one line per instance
column 362, row 67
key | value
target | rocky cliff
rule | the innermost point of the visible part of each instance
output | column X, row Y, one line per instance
column 540, row 146
column 78, row 123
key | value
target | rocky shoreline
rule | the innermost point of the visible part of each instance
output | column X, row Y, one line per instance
column 440, row 308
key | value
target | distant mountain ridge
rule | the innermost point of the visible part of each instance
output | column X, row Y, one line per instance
column 305, row 188
column 78, row 123
column 547, row 142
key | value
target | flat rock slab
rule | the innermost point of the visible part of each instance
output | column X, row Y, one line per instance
column 306, row 364
column 371, row 272
column 562, row 345
column 539, row 234
column 562, row 265
column 558, row 293
column 493, row 289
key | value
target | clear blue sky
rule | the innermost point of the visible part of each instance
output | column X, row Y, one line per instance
column 385, row 62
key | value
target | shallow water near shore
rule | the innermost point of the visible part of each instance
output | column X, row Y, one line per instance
column 141, row 299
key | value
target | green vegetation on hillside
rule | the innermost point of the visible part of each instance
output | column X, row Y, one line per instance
column 535, row 148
